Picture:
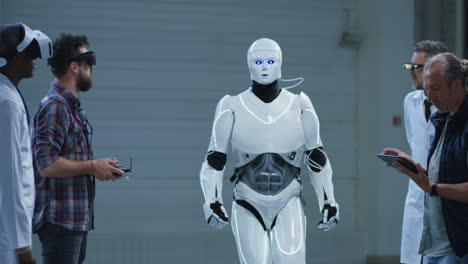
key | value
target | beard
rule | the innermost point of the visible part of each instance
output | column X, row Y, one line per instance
column 84, row 83
column 417, row 85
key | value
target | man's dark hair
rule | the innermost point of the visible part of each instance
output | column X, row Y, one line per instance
column 430, row 47
column 10, row 36
column 66, row 47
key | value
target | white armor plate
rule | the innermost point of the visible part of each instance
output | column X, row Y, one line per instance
column 267, row 127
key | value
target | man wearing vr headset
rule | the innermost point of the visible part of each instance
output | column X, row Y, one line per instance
column 65, row 170
column 19, row 46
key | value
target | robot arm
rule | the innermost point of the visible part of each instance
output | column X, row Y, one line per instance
column 318, row 164
column 212, row 170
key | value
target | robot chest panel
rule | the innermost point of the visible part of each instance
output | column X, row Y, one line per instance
column 263, row 128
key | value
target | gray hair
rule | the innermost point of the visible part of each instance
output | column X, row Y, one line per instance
column 452, row 67
column 430, row 47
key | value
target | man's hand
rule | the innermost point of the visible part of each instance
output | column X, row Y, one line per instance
column 104, row 169
column 330, row 217
column 216, row 215
column 26, row 257
column 420, row 178
column 397, row 152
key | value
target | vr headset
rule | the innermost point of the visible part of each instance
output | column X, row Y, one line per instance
column 35, row 43
column 88, row 57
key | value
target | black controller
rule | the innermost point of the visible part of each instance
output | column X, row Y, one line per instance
column 124, row 169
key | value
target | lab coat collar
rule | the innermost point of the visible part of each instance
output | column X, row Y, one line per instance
column 7, row 81
column 419, row 95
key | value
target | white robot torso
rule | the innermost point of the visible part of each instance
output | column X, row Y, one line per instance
column 260, row 127
column 253, row 127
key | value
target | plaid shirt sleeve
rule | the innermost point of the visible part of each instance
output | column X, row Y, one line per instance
column 51, row 125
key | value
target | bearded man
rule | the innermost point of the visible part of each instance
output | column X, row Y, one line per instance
column 64, row 168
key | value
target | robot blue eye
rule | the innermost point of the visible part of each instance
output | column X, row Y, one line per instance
column 271, row 61
column 258, row 62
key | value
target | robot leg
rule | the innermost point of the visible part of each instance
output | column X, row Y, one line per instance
column 251, row 239
column 288, row 234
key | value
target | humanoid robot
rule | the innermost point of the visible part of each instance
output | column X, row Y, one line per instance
column 270, row 131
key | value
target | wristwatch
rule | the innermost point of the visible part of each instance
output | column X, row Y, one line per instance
column 22, row 250
column 434, row 189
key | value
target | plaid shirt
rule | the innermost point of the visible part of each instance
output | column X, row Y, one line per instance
column 59, row 131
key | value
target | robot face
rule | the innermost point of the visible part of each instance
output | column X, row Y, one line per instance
column 264, row 61
column 265, row 67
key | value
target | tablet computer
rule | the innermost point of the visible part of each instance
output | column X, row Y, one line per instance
column 391, row 158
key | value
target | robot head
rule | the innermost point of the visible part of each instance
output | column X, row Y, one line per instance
column 35, row 43
column 264, row 59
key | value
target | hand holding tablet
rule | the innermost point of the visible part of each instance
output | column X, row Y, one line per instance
column 390, row 159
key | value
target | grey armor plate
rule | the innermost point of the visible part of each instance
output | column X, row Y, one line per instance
column 267, row 174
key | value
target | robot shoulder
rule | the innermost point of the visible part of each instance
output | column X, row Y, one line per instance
column 224, row 104
column 233, row 102
column 305, row 102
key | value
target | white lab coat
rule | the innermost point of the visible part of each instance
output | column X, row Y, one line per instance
column 419, row 134
column 16, row 174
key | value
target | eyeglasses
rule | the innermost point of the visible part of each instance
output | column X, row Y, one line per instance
column 88, row 57
column 412, row 66
column 88, row 129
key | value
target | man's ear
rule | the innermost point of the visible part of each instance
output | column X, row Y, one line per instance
column 74, row 67
column 455, row 83
column 15, row 58
column 14, row 61
column 460, row 82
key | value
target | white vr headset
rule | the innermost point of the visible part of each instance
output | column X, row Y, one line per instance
column 43, row 42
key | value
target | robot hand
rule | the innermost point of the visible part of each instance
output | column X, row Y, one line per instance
column 330, row 217
column 216, row 215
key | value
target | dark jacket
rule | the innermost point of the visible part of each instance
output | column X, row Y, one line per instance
column 454, row 169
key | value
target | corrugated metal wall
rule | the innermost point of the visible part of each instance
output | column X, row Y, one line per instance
column 161, row 68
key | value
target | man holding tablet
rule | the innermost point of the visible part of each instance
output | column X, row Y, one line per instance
column 444, row 238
